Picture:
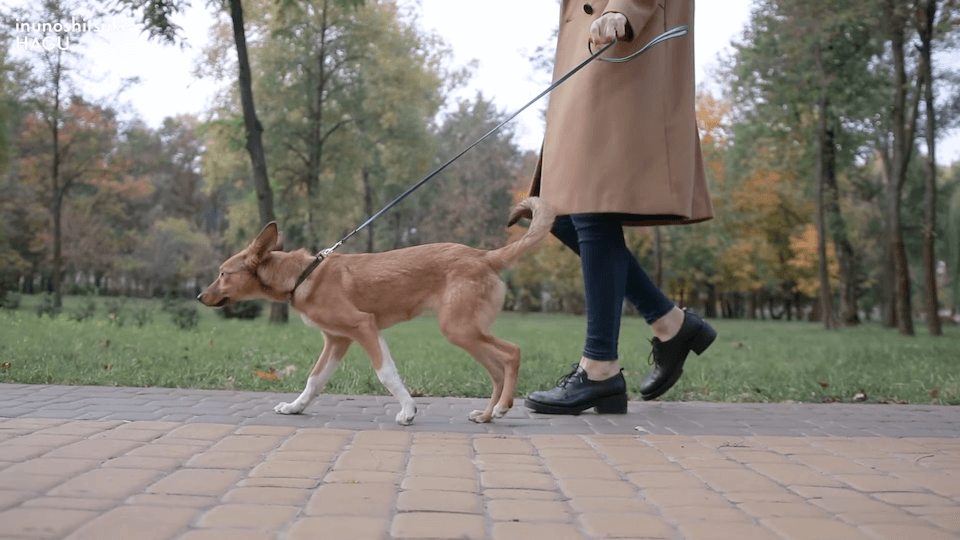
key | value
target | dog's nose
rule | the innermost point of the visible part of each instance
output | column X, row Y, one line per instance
column 200, row 297
column 588, row 9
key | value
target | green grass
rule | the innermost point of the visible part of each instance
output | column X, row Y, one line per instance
column 751, row 360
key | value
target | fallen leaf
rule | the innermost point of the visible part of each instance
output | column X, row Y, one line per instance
column 822, row 384
column 737, row 345
column 935, row 392
column 108, row 367
column 859, row 396
column 5, row 365
column 288, row 370
column 105, row 343
column 211, row 343
column 267, row 376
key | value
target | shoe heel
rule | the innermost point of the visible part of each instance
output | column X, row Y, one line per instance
column 613, row 405
column 703, row 339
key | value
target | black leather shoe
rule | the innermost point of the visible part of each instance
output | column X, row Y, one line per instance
column 576, row 393
column 668, row 356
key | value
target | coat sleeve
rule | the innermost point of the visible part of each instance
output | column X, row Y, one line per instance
column 637, row 12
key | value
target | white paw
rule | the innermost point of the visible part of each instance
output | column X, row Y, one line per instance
column 480, row 417
column 499, row 411
column 406, row 414
column 288, row 408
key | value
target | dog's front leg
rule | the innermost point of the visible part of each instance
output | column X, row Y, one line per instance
column 388, row 375
column 334, row 349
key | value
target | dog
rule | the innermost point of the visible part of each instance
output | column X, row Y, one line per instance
column 352, row 297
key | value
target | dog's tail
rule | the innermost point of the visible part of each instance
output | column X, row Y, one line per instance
column 541, row 222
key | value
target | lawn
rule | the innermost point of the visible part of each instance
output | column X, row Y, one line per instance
column 750, row 361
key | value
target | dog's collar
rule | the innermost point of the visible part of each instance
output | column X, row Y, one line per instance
column 310, row 268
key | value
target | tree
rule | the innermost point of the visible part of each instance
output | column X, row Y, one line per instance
column 929, row 29
column 828, row 47
column 73, row 160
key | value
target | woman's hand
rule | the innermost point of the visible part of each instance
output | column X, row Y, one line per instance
column 608, row 27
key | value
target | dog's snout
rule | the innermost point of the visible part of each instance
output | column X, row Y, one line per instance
column 200, row 297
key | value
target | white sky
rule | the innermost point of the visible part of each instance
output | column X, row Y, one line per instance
column 500, row 34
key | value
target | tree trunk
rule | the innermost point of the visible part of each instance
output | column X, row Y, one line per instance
column 903, row 127
column 846, row 286
column 826, row 296
column 278, row 311
column 930, row 303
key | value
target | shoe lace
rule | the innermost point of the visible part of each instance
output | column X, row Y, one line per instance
column 562, row 381
column 654, row 353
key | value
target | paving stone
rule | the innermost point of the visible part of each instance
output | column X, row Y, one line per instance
column 874, row 483
column 248, row 516
column 370, row 458
column 225, row 460
column 517, row 480
column 42, row 522
column 146, row 462
column 352, row 499
column 437, row 525
column 71, row 503
column 670, row 497
column 196, row 482
column 609, row 504
column 227, row 534
column 728, row 531
column 338, row 528
column 267, row 495
column 107, row 483
column 248, row 443
column 761, row 510
column 525, row 494
column 140, row 522
column 52, row 466
column 424, row 500
column 795, row 528
column 527, row 531
column 582, row 487
column 522, row 510
column 736, row 480
column 626, row 525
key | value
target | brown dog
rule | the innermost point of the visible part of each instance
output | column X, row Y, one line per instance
column 352, row 297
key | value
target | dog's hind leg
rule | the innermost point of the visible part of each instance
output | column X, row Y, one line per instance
column 334, row 348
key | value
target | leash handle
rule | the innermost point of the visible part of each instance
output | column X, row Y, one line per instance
column 669, row 34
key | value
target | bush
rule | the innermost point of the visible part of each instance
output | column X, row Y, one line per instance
column 84, row 312
column 185, row 317
column 47, row 307
column 244, row 309
column 10, row 299
column 115, row 310
column 142, row 317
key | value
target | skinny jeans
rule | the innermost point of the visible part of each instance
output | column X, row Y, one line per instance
column 610, row 274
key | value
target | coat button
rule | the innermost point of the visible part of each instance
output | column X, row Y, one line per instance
column 588, row 9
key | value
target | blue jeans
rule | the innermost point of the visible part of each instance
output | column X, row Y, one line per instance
column 610, row 273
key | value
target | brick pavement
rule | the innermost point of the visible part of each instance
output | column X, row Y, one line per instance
column 104, row 463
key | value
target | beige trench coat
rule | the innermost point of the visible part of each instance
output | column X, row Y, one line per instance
column 623, row 138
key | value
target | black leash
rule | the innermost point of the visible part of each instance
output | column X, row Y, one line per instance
column 675, row 32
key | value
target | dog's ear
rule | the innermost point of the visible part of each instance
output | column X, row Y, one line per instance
column 265, row 241
column 278, row 245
